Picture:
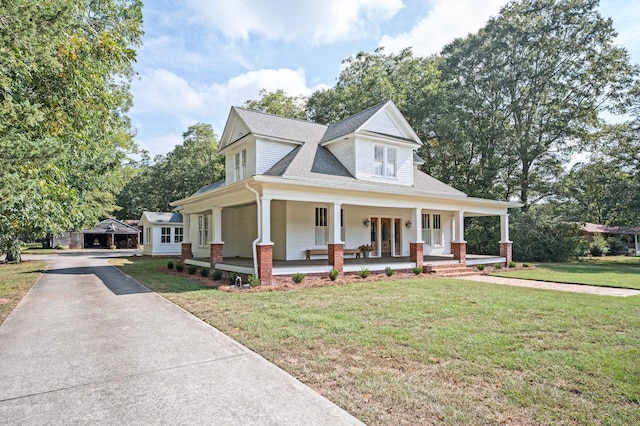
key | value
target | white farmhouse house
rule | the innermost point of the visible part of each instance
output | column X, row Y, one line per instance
column 162, row 233
column 304, row 197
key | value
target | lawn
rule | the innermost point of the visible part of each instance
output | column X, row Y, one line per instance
column 619, row 271
column 15, row 281
column 437, row 351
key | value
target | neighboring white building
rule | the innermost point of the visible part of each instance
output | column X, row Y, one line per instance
column 295, row 189
column 162, row 232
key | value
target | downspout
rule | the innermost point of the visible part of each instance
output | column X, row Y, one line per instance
column 255, row 242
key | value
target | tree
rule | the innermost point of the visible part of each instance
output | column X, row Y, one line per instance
column 180, row 173
column 64, row 94
column 278, row 103
column 528, row 88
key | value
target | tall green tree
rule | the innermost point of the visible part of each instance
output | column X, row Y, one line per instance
column 193, row 164
column 278, row 103
column 64, row 94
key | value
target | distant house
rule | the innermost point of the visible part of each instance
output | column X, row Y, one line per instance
column 108, row 233
column 630, row 234
column 305, row 197
column 163, row 233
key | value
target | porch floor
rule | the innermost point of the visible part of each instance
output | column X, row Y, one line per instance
column 287, row 267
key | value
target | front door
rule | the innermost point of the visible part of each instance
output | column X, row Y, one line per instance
column 385, row 236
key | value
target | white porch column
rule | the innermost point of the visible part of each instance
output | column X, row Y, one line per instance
column 335, row 236
column 186, row 228
column 504, row 228
column 265, row 220
column 459, row 227
column 417, row 224
column 216, row 228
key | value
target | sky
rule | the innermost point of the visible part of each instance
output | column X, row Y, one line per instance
column 201, row 57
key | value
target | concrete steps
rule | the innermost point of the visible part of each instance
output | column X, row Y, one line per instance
column 453, row 270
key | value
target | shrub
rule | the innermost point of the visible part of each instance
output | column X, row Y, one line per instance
column 253, row 281
column 417, row 270
column 525, row 265
column 480, row 267
column 599, row 246
column 364, row 272
column 192, row 269
column 297, row 277
column 205, row 272
column 217, row 274
column 333, row 274
column 512, row 264
column 179, row 267
column 389, row 271
column 617, row 245
column 498, row 266
column 170, row 264
column 232, row 277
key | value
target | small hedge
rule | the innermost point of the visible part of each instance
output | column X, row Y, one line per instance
column 389, row 271
column 364, row 272
column 179, row 267
column 417, row 270
column 217, row 275
column 480, row 267
column 192, row 269
column 297, row 277
column 333, row 274
column 253, row 281
column 170, row 264
column 205, row 272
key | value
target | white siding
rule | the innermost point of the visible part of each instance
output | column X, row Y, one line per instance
column 279, row 229
column 230, row 168
column 364, row 170
column 239, row 230
column 345, row 152
column 269, row 153
column 300, row 228
column 384, row 124
column 158, row 248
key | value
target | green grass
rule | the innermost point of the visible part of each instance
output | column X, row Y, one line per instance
column 443, row 351
column 619, row 271
column 15, row 281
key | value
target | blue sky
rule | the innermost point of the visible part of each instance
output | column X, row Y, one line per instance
column 200, row 57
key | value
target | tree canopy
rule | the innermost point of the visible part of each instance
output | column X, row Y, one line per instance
column 278, row 103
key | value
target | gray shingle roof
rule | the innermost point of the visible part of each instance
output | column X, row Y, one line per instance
column 112, row 226
column 163, row 217
column 350, row 124
column 209, row 187
column 281, row 127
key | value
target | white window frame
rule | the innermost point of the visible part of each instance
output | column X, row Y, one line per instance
column 203, row 230
column 240, row 164
column 147, row 239
column 426, row 228
column 178, row 234
column 165, row 235
column 437, row 229
column 385, row 161
column 321, row 226
column 432, row 229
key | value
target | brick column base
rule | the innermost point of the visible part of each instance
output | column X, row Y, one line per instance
column 336, row 256
column 506, row 251
column 459, row 251
column 215, row 253
column 185, row 251
column 416, row 254
column 265, row 264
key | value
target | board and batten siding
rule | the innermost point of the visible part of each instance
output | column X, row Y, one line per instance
column 364, row 170
column 279, row 229
column 269, row 153
column 345, row 152
column 239, row 230
column 385, row 125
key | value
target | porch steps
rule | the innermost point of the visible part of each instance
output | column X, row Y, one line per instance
column 452, row 270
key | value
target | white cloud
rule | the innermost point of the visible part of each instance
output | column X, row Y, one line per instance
column 291, row 20
column 447, row 20
column 163, row 91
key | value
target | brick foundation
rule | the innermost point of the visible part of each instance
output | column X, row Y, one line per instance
column 336, row 256
column 416, row 254
column 459, row 251
column 265, row 264
column 185, row 251
column 215, row 254
column 506, row 251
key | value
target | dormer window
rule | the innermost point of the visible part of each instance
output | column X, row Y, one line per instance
column 240, row 162
column 385, row 161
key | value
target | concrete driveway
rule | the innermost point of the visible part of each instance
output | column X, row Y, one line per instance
column 90, row 345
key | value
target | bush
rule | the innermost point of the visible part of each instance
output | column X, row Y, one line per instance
column 192, row 269
column 179, row 267
column 498, row 266
column 389, row 271
column 599, row 246
column 170, row 264
column 333, row 274
column 617, row 246
column 232, row 277
column 297, row 277
column 253, row 281
column 205, row 272
column 525, row 265
column 512, row 264
column 417, row 270
column 217, row 274
column 480, row 267
column 363, row 273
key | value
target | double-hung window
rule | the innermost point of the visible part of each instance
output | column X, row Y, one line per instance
column 432, row 229
column 426, row 228
column 437, row 230
column 178, row 234
column 240, row 163
column 385, row 161
column 321, row 228
column 203, row 230
column 165, row 235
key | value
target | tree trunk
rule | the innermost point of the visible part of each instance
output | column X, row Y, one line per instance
column 13, row 252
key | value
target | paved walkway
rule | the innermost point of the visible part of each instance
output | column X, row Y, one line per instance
column 574, row 288
column 90, row 345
